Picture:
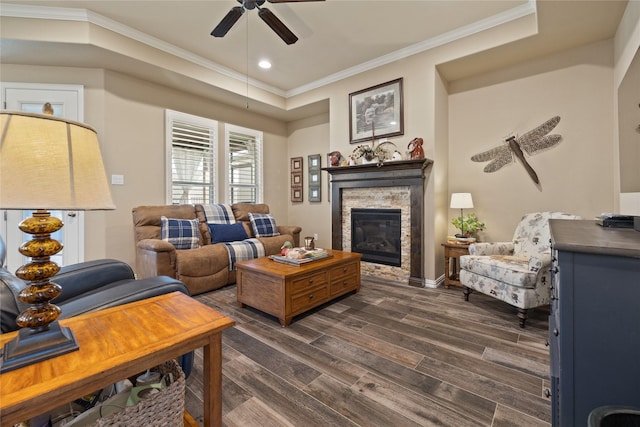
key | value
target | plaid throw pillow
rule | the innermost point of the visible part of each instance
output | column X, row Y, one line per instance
column 219, row 214
column 263, row 225
column 181, row 233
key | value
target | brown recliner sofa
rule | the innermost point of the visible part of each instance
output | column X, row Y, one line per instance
column 204, row 268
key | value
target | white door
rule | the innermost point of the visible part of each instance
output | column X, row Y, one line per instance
column 68, row 102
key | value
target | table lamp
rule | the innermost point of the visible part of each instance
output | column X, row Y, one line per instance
column 45, row 163
column 461, row 201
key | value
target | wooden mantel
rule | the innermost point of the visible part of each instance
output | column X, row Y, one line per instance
column 409, row 173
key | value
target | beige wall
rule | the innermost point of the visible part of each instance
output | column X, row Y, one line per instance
column 128, row 114
column 425, row 116
column 306, row 137
column 455, row 119
column 575, row 176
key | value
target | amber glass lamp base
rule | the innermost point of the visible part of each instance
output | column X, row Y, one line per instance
column 42, row 337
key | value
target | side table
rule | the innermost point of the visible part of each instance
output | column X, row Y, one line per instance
column 453, row 251
column 116, row 343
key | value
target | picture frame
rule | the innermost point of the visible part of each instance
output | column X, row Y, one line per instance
column 376, row 112
column 314, row 162
column 314, row 194
column 315, row 179
column 296, row 194
column 296, row 180
column 296, row 164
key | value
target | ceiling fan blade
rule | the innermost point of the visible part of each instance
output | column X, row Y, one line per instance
column 290, row 1
column 227, row 22
column 277, row 26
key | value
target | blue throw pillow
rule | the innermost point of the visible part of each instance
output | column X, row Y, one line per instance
column 263, row 225
column 227, row 232
column 181, row 233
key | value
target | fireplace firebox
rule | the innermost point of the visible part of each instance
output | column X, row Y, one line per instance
column 375, row 233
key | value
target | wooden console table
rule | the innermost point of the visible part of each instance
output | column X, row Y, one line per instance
column 117, row 343
column 284, row 290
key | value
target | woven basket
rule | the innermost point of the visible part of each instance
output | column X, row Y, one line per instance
column 164, row 409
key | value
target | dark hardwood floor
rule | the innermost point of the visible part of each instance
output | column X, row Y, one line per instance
column 390, row 355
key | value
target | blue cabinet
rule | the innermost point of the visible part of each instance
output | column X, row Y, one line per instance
column 594, row 326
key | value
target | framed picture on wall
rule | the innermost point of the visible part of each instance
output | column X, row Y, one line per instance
column 296, row 179
column 296, row 194
column 314, row 178
column 376, row 112
column 296, row 164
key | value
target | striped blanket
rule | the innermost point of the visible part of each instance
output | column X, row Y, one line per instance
column 244, row 250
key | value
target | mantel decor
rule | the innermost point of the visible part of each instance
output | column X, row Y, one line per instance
column 376, row 112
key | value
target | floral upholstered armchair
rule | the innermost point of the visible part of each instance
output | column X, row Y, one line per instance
column 515, row 272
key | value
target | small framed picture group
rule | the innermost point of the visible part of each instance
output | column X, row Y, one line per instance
column 314, row 179
column 296, row 179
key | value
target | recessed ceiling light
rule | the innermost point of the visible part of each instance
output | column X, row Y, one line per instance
column 264, row 64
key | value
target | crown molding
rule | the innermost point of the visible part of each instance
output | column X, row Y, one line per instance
column 84, row 15
column 442, row 39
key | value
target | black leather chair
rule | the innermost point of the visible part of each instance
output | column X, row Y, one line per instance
column 87, row 286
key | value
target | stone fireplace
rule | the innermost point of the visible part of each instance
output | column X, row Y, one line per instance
column 396, row 191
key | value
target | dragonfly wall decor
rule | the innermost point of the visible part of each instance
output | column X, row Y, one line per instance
column 531, row 142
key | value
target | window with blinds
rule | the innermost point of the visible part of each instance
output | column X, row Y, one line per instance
column 244, row 148
column 192, row 159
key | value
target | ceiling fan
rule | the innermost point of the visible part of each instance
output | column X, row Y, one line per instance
column 265, row 14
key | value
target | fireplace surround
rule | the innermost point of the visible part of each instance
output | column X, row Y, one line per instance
column 390, row 182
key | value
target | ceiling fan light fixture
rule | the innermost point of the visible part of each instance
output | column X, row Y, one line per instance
column 267, row 16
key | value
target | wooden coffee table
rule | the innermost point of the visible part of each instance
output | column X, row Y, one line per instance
column 285, row 291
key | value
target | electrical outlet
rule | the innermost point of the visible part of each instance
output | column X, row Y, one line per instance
column 315, row 236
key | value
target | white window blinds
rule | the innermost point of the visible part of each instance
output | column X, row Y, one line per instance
column 192, row 159
column 244, row 148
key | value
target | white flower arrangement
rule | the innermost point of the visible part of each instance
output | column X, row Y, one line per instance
column 363, row 151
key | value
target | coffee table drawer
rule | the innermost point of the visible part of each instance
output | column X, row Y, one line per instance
column 309, row 299
column 342, row 271
column 344, row 284
column 306, row 282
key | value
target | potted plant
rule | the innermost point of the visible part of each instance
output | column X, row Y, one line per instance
column 468, row 225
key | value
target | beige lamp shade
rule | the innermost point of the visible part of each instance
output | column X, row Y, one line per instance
column 461, row 201
column 50, row 163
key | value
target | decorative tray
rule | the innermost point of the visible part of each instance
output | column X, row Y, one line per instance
column 307, row 256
